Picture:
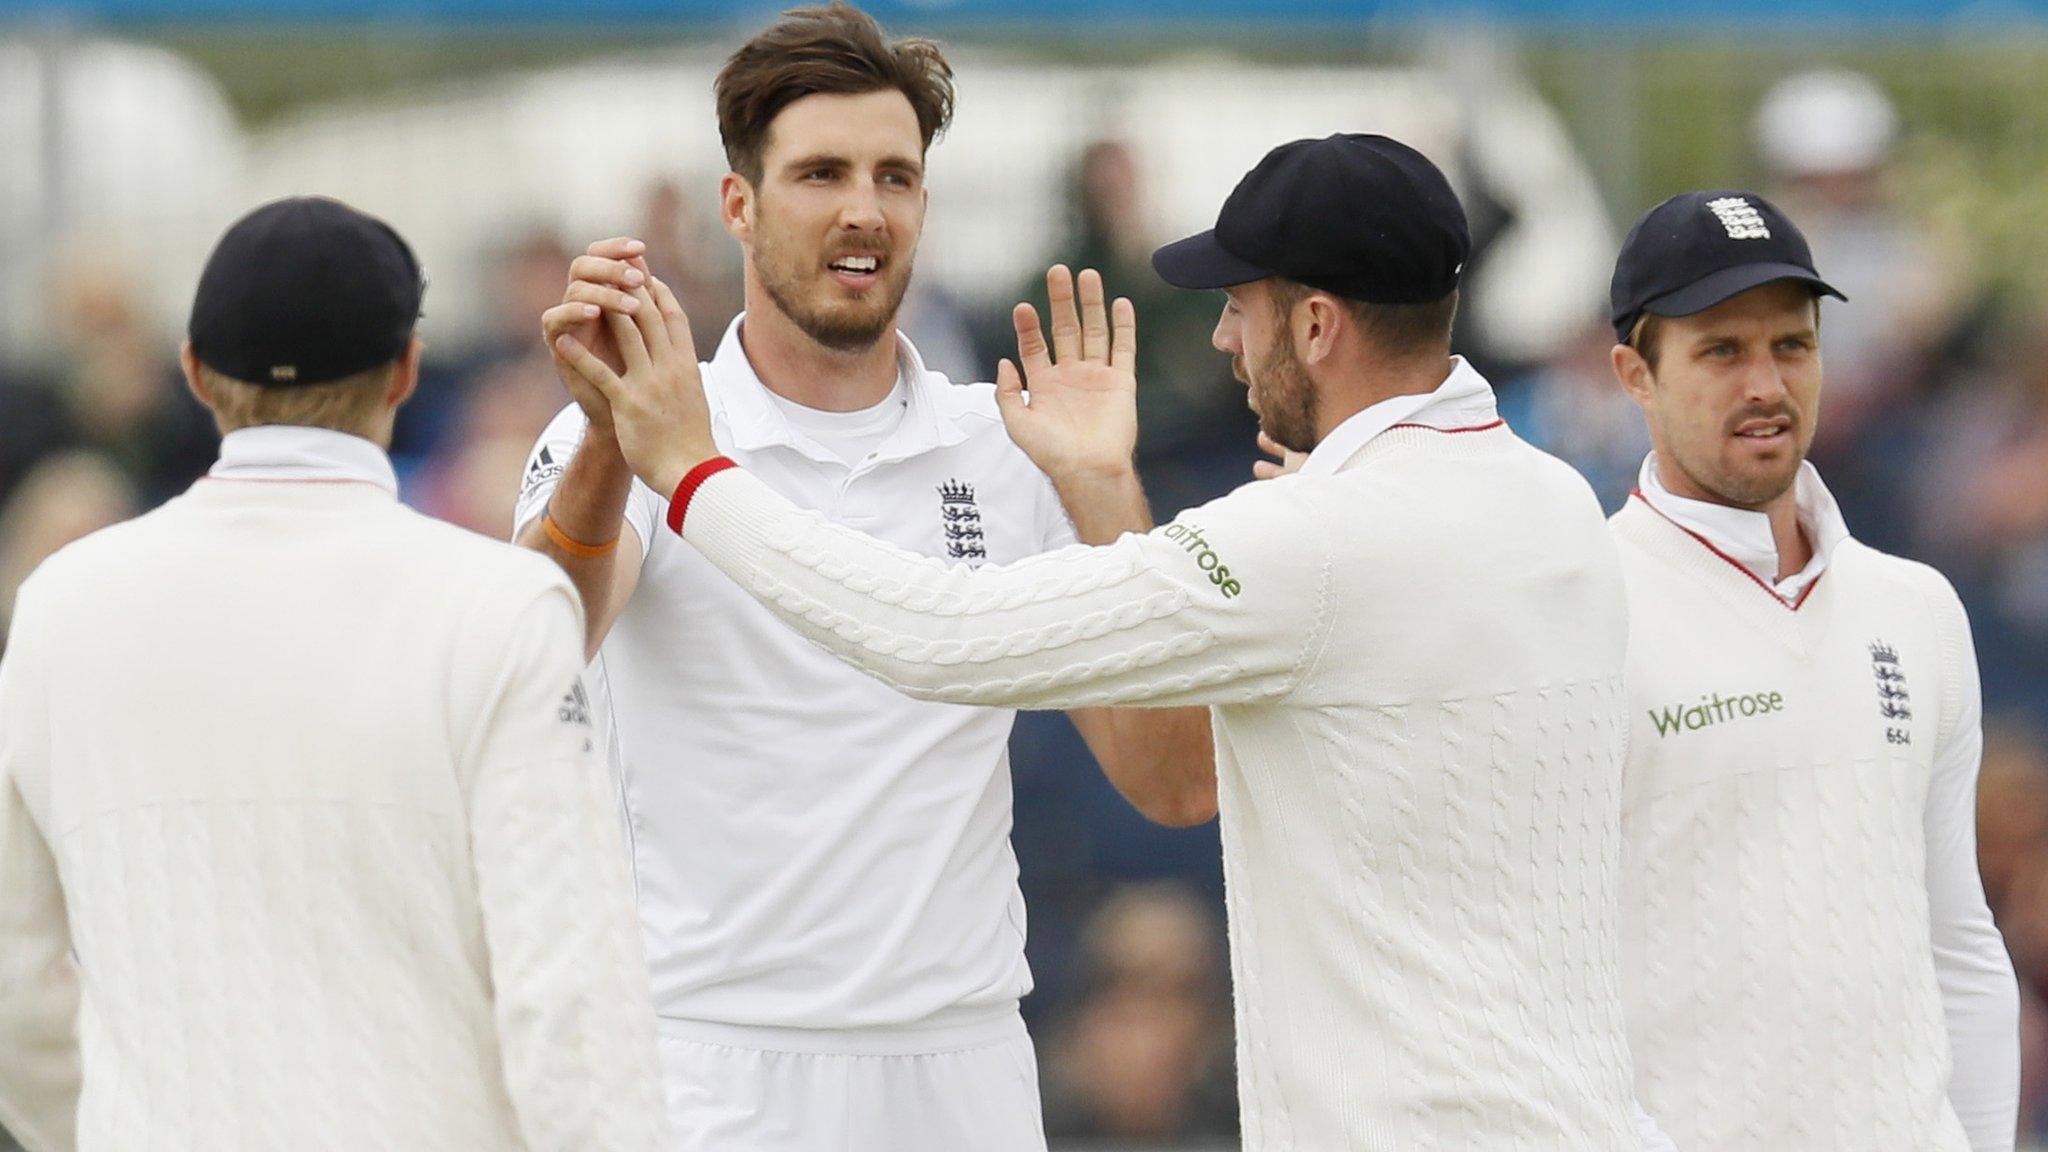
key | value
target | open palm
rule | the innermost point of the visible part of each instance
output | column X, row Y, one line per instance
column 1080, row 413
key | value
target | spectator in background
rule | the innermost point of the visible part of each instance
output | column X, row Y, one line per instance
column 63, row 498
column 462, row 457
column 1979, row 506
column 113, row 388
column 689, row 253
column 1146, row 1052
column 1826, row 138
column 2012, row 855
column 1195, row 438
column 1571, row 409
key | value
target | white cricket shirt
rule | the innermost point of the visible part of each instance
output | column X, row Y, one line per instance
column 816, row 853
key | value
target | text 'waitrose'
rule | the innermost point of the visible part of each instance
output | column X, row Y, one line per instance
column 1711, row 710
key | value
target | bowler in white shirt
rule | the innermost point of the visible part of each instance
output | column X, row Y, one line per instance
column 823, row 865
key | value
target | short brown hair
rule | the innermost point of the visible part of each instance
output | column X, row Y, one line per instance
column 1644, row 339
column 1392, row 329
column 349, row 404
column 838, row 50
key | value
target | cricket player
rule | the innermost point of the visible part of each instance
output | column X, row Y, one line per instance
column 823, row 865
column 1413, row 648
column 303, row 840
column 1808, row 962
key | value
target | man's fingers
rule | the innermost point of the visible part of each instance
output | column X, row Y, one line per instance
column 1289, row 459
column 1123, row 335
column 652, row 324
column 1031, row 349
column 1009, row 384
column 563, row 317
column 604, row 296
column 680, row 336
column 626, row 334
column 1066, row 323
column 587, row 367
column 617, row 248
column 604, row 270
column 1094, row 317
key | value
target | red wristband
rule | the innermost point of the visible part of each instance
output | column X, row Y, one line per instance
column 679, row 503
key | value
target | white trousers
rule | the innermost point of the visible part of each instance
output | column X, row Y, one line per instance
column 727, row 1095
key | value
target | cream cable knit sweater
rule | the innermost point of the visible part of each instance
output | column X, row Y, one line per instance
column 1416, row 666
column 1808, row 963
column 293, row 770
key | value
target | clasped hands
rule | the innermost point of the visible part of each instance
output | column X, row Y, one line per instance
column 623, row 347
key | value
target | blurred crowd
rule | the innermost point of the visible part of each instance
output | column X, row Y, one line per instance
column 1934, row 438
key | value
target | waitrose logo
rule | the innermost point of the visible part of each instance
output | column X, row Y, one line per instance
column 1713, row 709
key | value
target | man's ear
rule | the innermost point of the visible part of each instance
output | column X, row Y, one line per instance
column 405, row 375
column 1319, row 321
column 736, row 206
column 195, row 382
column 1634, row 373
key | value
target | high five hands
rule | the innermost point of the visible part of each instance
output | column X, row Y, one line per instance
column 654, row 399
column 1079, row 419
column 606, row 278
column 623, row 348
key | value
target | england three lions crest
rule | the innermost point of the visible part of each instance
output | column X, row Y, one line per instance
column 1894, row 702
column 960, row 521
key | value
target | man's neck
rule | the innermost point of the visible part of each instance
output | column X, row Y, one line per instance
column 797, row 368
column 1795, row 551
column 1375, row 381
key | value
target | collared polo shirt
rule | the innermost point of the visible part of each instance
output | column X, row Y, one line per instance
column 813, row 851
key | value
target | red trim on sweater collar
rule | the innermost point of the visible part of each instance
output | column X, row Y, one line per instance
column 1637, row 493
column 1450, row 431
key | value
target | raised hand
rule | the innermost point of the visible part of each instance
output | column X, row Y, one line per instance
column 1288, row 459
column 1080, row 415
column 656, row 402
column 606, row 278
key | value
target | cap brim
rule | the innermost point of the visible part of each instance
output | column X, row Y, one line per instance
column 1200, row 261
column 1704, row 293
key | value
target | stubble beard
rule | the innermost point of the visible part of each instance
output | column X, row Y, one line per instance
column 850, row 326
column 1731, row 486
column 1285, row 398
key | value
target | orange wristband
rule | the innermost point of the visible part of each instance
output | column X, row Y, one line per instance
column 574, row 547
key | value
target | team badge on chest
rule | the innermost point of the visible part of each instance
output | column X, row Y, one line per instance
column 1894, row 703
column 960, row 519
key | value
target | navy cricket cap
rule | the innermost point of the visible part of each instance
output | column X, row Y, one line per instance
column 1693, row 251
column 1364, row 217
column 305, row 291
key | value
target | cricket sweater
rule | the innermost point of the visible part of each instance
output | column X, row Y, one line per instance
column 1414, row 649
column 1807, row 960
column 302, row 841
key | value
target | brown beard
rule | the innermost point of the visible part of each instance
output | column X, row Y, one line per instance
column 853, row 329
column 1287, row 401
